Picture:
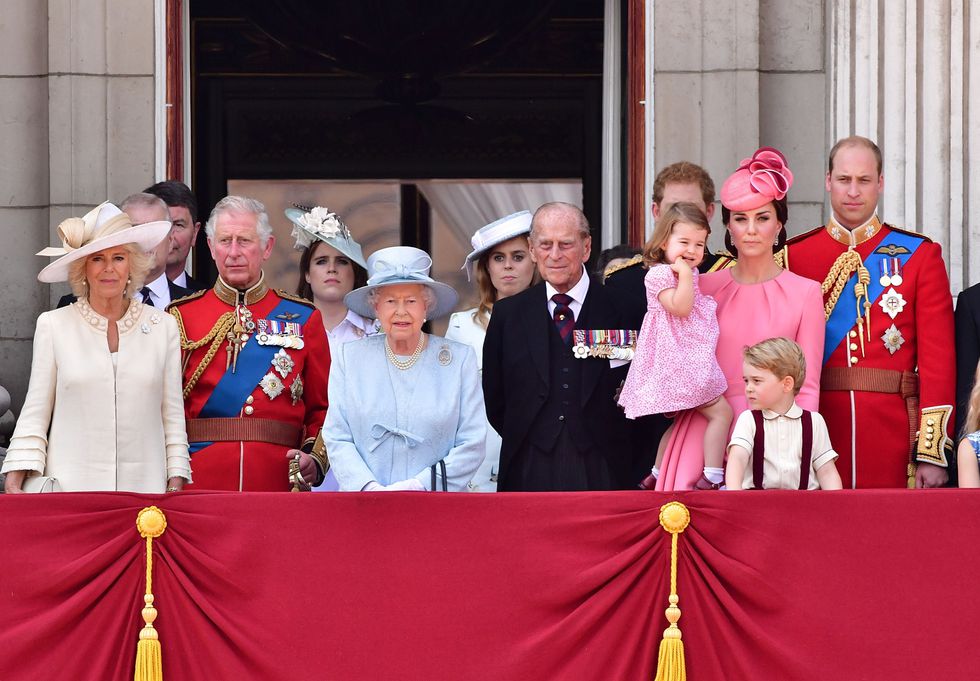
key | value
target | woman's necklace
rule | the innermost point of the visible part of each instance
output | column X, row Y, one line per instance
column 413, row 358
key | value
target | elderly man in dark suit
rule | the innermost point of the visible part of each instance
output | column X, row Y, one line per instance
column 556, row 413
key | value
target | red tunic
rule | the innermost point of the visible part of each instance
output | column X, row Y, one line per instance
column 871, row 430
column 252, row 465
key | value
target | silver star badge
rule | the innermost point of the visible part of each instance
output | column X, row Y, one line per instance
column 271, row 385
column 893, row 339
column 892, row 302
column 282, row 362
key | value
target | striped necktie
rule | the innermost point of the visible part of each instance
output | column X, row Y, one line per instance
column 564, row 317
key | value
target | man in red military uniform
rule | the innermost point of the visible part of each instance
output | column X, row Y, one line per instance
column 255, row 362
column 888, row 381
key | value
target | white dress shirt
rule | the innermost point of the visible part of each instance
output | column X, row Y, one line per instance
column 159, row 291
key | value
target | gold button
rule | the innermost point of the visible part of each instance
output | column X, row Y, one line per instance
column 854, row 360
column 930, row 422
column 249, row 399
column 854, row 346
column 930, row 430
column 853, row 334
column 249, row 410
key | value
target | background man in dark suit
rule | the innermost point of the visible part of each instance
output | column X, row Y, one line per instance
column 967, row 350
column 183, row 212
column 560, row 425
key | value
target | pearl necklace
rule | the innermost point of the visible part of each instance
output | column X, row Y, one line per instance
column 413, row 358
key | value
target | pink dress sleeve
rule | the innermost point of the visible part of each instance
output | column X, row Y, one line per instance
column 658, row 279
column 811, row 337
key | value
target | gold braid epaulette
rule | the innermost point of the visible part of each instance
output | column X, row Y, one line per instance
column 215, row 336
column 293, row 297
column 635, row 260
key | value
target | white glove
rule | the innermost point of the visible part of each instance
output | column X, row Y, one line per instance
column 410, row 485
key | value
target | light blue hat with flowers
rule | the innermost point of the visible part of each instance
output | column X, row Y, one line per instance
column 401, row 265
column 319, row 223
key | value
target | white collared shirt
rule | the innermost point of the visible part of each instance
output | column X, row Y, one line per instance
column 577, row 292
column 181, row 279
column 783, row 442
column 352, row 327
column 160, row 291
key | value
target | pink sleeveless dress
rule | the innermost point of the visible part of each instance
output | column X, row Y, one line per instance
column 674, row 367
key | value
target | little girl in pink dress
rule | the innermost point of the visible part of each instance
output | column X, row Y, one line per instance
column 674, row 368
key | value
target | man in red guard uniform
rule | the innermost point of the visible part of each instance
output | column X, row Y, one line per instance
column 888, row 381
column 255, row 363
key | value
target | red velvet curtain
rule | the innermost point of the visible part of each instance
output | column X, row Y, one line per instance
column 773, row 585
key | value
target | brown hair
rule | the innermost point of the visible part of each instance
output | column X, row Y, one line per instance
column 854, row 141
column 781, row 356
column 684, row 172
column 972, row 422
column 303, row 287
column 653, row 250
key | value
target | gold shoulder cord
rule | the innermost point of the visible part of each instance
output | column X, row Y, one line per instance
column 846, row 264
column 296, row 299
column 215, row 336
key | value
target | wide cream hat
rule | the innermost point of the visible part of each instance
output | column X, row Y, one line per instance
column 401, row 265
column 105, row 226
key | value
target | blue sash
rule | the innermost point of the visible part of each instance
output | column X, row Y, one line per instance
column 844, row 314
column 254, row 362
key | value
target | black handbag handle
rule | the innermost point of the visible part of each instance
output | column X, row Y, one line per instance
column 442, row 468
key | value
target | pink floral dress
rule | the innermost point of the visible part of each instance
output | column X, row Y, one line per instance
column 674, row 367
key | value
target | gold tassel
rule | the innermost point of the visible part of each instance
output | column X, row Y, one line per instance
column 149, row 662
column 674, row 517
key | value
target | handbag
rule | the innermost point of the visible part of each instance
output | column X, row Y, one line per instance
column 442, row 469
column 39, row 484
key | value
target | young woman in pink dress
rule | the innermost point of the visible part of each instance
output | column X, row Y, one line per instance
column 675, row 368
column 756, row 299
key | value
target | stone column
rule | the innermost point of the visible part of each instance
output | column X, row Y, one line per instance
column 732, row 75
column 76, row 127
column 907, row 75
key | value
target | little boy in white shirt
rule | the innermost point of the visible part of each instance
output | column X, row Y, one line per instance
column 795, row 446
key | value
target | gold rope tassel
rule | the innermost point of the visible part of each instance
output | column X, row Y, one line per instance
column 674, row 517
column 149, row 663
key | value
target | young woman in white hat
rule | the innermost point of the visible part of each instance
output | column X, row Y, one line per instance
column 406, row 408
column 104, row 409
column 502, row 266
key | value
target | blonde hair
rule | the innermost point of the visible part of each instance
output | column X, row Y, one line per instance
column 781, row 356
column 485, row 289
column 655, row 248
column 139, row 264
column 972, row 422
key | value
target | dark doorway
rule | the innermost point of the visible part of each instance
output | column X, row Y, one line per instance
column 268, row 104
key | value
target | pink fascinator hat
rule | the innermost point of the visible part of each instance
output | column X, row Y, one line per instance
column 758, row 180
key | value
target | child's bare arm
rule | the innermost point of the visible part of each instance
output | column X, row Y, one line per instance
column 828, row 477
column 738, row 459
column 679, row 300
column 968, row 471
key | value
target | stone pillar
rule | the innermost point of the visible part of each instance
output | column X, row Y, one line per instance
column 77, row 128
column 732, row 75
column 906, row 74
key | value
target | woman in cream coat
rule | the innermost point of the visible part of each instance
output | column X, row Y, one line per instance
column 503, row 267
column 104, row 409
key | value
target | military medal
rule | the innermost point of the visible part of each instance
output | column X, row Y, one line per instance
column 271, row 385
column 891, row 272
column 604, row 343
column 893, row 339
column 282, row 362
column 296, row 390
column 892, row 303
column 282, row 334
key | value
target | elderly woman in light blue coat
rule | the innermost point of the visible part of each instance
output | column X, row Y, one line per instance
column 406, row 408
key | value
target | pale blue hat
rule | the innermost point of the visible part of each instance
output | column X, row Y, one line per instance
column 401, row 265
column 497, row 232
